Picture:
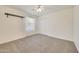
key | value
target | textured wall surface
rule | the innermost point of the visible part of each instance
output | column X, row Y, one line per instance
column 58, row 24
column 11, row 28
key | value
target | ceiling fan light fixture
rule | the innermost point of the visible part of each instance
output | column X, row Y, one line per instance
column 39, row 8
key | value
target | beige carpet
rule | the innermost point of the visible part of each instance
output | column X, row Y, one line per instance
column 39, row 44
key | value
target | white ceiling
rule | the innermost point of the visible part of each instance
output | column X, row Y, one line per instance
column 47, row 9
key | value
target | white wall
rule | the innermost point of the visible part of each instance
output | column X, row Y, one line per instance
column 76, row 26
column 58, row 24
column 11, row 28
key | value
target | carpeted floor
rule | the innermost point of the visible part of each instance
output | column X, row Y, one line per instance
column 39, row 44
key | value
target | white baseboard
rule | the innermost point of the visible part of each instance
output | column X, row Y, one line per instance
column 56, row 37
column 6, row 41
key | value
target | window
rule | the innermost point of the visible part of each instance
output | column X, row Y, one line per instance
column 29, row 24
